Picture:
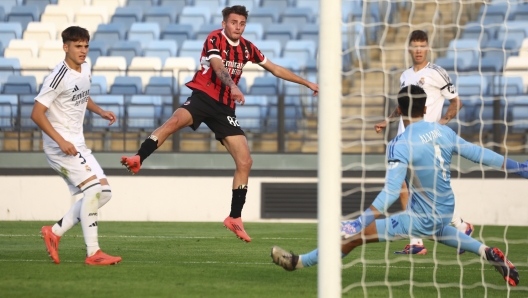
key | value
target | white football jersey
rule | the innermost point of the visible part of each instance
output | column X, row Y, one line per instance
column 437, row 85
column 65, row 93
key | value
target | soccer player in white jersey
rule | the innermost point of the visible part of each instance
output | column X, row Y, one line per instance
column 420, row 156
column 438, row 87
column 59, row 111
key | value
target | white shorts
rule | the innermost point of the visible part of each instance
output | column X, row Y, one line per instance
column 74, row 169
column 401, row 127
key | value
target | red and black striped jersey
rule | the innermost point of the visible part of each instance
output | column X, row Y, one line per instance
column 234, row 56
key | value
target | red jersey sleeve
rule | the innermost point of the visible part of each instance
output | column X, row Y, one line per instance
column 212, row 46
column 257, row 56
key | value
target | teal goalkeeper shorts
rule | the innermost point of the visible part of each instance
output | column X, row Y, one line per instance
column 403, row 225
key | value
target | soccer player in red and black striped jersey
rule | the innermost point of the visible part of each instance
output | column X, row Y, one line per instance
column 213, row 101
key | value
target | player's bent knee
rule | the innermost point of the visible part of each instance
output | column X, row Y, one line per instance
column 106, row 195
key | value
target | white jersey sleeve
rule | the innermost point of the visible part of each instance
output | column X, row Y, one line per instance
column 443, row 82
column 52, row 87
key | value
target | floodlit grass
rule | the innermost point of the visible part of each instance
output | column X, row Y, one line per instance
column 205, row 260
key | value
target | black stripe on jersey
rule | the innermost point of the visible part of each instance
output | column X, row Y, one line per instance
column 446, row 86
column 441, row 71
column 58, row 77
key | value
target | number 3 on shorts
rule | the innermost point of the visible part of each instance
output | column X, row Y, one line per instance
column 80, row 156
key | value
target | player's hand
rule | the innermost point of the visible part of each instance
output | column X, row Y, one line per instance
column 237, row 95
column 350, row 228
column 380, row 126
column 68, row 148
column 110, row 116
column 314, row 87
column 443, row 121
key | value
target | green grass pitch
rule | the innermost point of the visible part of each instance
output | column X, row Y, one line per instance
column 206, row 260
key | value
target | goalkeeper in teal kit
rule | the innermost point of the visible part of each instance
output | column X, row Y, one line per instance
column 421, row 157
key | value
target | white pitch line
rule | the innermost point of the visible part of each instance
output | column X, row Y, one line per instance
column 160, row 237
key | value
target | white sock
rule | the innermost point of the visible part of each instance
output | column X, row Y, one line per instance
column 482, row 251
column 416, row 241
column 299, row 264
column 72, row 217
column 458, row 223
column 88, row 215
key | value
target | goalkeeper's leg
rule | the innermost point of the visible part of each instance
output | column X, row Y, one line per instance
column 416, row 246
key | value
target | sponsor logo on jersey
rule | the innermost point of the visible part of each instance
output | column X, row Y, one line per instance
column 75, row 89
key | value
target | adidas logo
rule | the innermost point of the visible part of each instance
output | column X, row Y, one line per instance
column 75, row 89
column 93, row 225
column 394, row 223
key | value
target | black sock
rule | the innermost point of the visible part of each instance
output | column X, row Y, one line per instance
column 60, row 222
column 147, row 147
column 237, row 202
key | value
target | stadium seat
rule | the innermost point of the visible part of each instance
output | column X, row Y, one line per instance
column 97, row 48
column 309, row 32
column 20, row 85
column 302, row 50
column 312, row 4
column 192, row 48
column 178, row 4
column 127, row 85
column 8, row 67
column 74, row 5
column 141, row 117
column 520, row 13
column 264, row 15
column 493, row 13
column 8, row 5
column 517, row 66
column 281, row 33
column 474, row 30
column 450, row 64
column 466, row 49
column 9, row 31
column 127, row 15
column 145, row 67
column 297, row 15
column 264, row 86
column 37, row 67
column 178, row 33
column 270, row 48
column 253, row 32
column 148, row 100
column 279, row 5
column 110, row 33
column 472, row 85
column 110, row 67
column 91, row 16
column 114, row 103
column 144, row 4
column 515, row 31
column 162, row 49
column 162, row 15
column 127, row 49
column 205, row 30
column 507, row 86
column 161, row 86
column 1, row 49
column 41, row 4
column 249, row 4
column 500, row 49
column 21, row 49
column 8, row 111
column 291, row 116
column 23, row 15
column 179, row 68
column 110, row 5
column 144, row 32
column 217, row 17
column 98, row 85
column 211, row 4
column 58, row 15
column 249, row 117
column 520, row 115
column 195, row 16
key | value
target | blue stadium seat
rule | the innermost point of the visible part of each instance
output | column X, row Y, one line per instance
column 195, row 16
column 472, row 85
column 192, row 48
column 309, row 32
column 127, row 15
column 216, row 16
column 178, row 4
column 8, row 67
column 141, row 117
column 489, row 65
column 249, row 117
column 161, row 86
column 178, row 33
column 507, row 86
column 281, row 33
column 253, row 32
column 249, row 4
column 9, row 31
column 493, row 13
column 110, row 33
column 211, row 4
column 205, row 29
column 278, row 5
column 127, row 85
column 41, row 4
column 520, row 13
column 1, row 49
column 264, row 86
column 20, row 85
column 242, row 85
column 270, row 48
column 147, row 101
column 289, row 63
column 467, row 49
column 461, row 122
column 97, row 48
column 451, row 64
column 516, row 31
column 114, row 103
column 520, row 115
column 162, row 15
column 127, row 49
column 25, row 117
column 144, row 32
column 8, row 5
column 483, row 116
column 297, row 15
column 474, row 30
column 292, row 114
column 144, row 4
column 500, row 49
column 8, row 111
column 24, row 15
column 98, row 85
column 264, row 15
column 302, row 50
column 312, row 4
column 162, row 49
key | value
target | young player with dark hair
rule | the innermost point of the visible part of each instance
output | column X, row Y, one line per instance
column 420, row 156
column 438, row 87
column 213, row 101
column 59, row 111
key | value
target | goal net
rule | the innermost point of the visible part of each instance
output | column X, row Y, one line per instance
column 482, row 46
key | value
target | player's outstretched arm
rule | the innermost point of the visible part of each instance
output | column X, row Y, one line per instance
column 285, row 74
column 392, row 117
column 108, row 115
column 455, row 105
column 38, row 115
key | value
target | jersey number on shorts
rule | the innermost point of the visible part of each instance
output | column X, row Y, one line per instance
column 80, row 156
column 438, row 156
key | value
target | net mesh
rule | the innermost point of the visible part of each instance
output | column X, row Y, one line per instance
column 481, row 44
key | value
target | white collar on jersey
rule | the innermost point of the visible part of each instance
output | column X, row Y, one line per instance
column 230, row 41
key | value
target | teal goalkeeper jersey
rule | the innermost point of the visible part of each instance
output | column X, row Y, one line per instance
column 421, row 156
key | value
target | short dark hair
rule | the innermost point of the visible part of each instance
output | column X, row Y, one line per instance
column 236, row 9
column 413, row 96
column 418, row 35
column 75, row 33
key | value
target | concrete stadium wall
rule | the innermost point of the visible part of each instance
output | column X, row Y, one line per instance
column 479, row 201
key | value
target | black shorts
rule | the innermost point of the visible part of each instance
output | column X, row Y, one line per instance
column 220, row 118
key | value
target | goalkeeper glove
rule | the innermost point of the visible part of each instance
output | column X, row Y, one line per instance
column 518, row 168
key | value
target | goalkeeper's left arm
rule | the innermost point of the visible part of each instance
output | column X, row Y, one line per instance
column 390, row 193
